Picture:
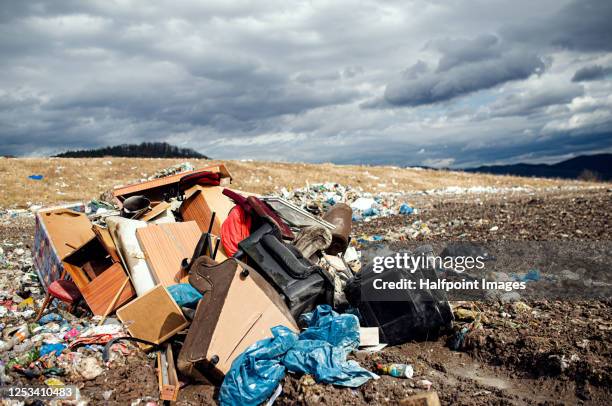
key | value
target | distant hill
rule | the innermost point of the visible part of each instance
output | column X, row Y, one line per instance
column 587, row 167
column 144, row 150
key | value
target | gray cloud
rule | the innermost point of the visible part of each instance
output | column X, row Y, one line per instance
column 594, row 72
column 459, row 51
column 582, row 25
column 290, row 80
column 534, row 100
column 460, row 77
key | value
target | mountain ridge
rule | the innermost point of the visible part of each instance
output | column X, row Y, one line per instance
column 589, row 167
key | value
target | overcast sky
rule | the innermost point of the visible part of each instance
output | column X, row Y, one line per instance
column 439, row 83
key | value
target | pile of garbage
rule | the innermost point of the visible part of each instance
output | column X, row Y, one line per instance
column 59, row 346
column 318, row 198
column 172, row 170
column 222, row 286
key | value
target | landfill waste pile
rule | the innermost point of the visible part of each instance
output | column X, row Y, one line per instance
column 366, row 206
column 181, row 288
column 161, row 266
column 173, row 170
column 318, row 198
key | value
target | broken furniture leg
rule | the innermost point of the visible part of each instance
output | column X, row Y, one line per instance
column 168, row 380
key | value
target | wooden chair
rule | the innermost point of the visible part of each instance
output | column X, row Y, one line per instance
column 64, row 290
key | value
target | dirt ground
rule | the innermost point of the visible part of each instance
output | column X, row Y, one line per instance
column 518, row 357
column 557, row 352
column 74, row 179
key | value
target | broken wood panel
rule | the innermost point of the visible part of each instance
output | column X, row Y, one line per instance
column 155, row 211
column 200, row 204
column 153, row 317
column 76, row 274
column 125, row 191
column 67, row 229
column 106, row 240
column 166, row 374
column 165, row 246
column 100, row 292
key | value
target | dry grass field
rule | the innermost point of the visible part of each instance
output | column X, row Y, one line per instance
column 75, row 179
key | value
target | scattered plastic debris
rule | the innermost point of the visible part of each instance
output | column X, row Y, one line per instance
column 396, row 370
column 317, row 198
column 405, row 209
column 533, row 275
column 173, row 170
column 424, row 384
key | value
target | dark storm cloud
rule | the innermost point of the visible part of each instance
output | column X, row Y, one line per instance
column 469, row 65
column 581, row 25
column 589, row 73
column 462, row 76
column 459, row 51
column 534, row 100
column 289, row 80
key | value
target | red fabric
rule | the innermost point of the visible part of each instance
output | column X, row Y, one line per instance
column 235, row 228
column 238, row 199
column 65, row 290
column 264, row 211
column 199, row 178
column 260, row 209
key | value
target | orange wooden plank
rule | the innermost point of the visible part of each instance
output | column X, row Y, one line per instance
column 165, row 246
column 156, row 211
column 196, row 209
column 168, row 180
column 201, row 202
column 100, row 292
column 107, row 241
column 78, row 276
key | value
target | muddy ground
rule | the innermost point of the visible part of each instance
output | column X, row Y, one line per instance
column 551, row 352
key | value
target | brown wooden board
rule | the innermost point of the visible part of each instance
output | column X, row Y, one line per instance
column 97, row 275
column 89, row 271
column 100, row 292
column 106, row 240
column 155, row 211
column 77, row 275
column 154, row 186
column 154, row 316
column 166, row 374
column 238, row 309
column 76, row 262
column 201, row 202
column 67, row 229
column 165, row 246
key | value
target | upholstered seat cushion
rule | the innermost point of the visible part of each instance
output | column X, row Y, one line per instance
column 64, row 290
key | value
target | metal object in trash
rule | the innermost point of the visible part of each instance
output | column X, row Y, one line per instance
column 135, row 206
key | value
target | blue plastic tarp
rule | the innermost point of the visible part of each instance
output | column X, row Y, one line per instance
column 533, row 275
column 51, row 348
column 405, row 209
column 320, row 350
column 256, row 372
column 185, row 295
column 50, row 317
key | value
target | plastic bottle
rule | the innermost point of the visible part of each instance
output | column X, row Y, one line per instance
column 396, row 370
column 20, row 333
